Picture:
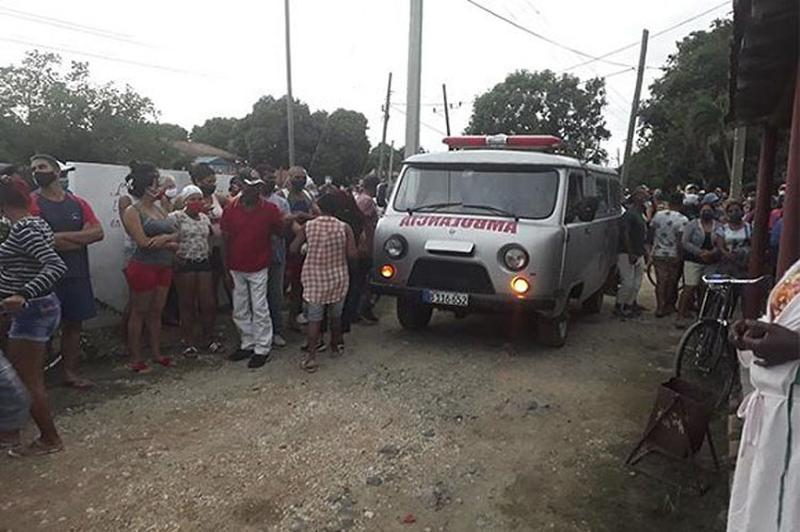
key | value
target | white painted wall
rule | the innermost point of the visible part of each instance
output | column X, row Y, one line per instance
column 102, row 185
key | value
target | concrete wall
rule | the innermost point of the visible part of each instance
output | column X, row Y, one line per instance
column 102, row 185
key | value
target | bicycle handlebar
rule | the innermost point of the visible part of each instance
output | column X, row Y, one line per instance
column 717, row 279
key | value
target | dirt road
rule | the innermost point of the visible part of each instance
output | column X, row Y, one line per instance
column 467, row 426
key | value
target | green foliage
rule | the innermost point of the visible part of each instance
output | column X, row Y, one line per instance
column 373, row 162
column 45, row 107
column 529, row 103
column 343, row 147
column 217, row 132
column 682, row 131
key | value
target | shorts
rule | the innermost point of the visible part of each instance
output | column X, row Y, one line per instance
column 315, row 312
column 15, row 402
column 147, row 277
column 77, row 298
column 38, row 321
column 693, row 272
column 193, row 266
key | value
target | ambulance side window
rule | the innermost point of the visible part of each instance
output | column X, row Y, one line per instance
column 602, row 197
column 574, row 197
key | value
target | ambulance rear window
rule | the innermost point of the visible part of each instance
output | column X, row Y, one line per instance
column 525, row 192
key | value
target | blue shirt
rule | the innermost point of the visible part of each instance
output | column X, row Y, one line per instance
column 69, row 215
column 279, row 242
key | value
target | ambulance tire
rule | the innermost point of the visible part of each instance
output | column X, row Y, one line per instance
column 413, row 315
column 594, row 304
column 552, row 332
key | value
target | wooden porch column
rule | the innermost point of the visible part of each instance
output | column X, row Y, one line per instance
column 790, row 237
column 754, row 295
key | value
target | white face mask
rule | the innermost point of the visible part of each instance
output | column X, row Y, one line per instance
column 171, row 193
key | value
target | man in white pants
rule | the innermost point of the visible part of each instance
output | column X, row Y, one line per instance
column 631, row 253
column 248, row 224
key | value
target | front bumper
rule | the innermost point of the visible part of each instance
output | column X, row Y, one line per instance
column 477, row 302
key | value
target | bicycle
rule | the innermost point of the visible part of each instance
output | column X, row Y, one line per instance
column 705, row 355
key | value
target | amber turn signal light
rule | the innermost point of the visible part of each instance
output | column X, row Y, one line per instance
column 387, row 271
column 520, row 285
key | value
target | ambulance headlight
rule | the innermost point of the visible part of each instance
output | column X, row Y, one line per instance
column 395, row 247
column 515, row 258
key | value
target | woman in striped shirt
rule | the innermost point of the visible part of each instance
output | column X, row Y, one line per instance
column 29, row 268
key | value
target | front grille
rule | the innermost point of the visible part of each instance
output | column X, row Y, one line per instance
column 450, row 275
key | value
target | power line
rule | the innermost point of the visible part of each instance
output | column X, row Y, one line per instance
column 653, row 36
column 95, row 55
column 542, row 37
column 432, row 128
column 66, row 25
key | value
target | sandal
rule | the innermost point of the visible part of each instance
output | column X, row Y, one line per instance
column 139, row 367
column 190, row 352
column 214, row 347
column 337, row 350
column 8, row 444
column 35, row 448
column 321, row 347
column 79, row 384
column 309, row 365
column 164, row 361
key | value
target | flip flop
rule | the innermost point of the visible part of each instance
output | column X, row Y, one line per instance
column 139, row 367
column 35, row 448
column 309, row 366
column 164, row 361
column 79, row 384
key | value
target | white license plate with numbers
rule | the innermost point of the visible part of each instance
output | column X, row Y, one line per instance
column 450, row 299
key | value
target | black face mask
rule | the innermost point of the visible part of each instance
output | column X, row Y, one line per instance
column 208, row 189
column 297, row 186
column 707, row 215
column 735, row 217
column 44, row 179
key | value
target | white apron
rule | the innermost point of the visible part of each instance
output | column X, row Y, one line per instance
column 766, row 485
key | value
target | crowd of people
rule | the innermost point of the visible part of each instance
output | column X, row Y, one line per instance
column 271, row 234
column 684, row 234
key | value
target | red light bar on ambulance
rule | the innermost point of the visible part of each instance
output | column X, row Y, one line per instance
column 502, row 141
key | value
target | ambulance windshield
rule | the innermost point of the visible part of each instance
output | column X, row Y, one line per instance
column 525, row 193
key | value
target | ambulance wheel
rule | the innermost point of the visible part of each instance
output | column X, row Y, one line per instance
column 413, row 315
column 594, row 304
column 552, row 332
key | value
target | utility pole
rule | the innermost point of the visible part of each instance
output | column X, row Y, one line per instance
column 385, row 125
column 289, row 98
column 414, row 81
column 446, row 109
column 737, row 168
column 390, row 173
column 634, row 107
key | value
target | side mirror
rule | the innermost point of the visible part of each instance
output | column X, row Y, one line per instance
column 587, row 209
column 380, row 196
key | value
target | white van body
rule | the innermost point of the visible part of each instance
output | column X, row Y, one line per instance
column 456, row 222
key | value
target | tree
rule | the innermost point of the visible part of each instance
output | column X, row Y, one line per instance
column 217, row 132
column 544, row 103
column 682, row 132
column 343, row 148
column 47, row 108
column 373, row 162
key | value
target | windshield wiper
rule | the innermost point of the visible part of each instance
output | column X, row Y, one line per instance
column 496, row 210
column 432, row 207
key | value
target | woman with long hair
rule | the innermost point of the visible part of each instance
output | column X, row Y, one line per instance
column 29, row 269
column 149, row 272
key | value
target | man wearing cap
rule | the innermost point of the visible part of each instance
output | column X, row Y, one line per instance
column 248, row 224
column 75, row 227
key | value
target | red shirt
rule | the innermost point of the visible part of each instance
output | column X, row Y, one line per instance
column 248, row 232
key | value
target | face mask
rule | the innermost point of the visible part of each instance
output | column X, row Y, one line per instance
column 735, row 217
column 44, row 179
column 171, row 192
column 208, row 189
column 707, row 215
column 195, row 207
column 298, row 185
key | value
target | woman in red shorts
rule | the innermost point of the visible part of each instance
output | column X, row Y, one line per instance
column 149, row 271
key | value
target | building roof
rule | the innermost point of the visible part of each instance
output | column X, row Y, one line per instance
column 198, row 149
column 502, row 157
column 764, row 59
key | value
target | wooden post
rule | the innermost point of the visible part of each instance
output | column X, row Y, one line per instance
column 754, row 295
column 790, row 237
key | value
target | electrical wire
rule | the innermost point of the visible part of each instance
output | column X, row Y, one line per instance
column 103, row 57
column 542, row 37
column 432, row 128
column 69, row 26
column 653, row 36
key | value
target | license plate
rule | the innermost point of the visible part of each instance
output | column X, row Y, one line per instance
column 451, row 299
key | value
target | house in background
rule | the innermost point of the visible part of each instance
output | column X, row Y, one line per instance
column 223, row 162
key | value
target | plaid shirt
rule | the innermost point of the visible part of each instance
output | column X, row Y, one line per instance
column 325, row 278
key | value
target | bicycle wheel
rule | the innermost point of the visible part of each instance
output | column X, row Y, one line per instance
column 706, row 359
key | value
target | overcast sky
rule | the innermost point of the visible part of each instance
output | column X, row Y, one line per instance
column 220, row 57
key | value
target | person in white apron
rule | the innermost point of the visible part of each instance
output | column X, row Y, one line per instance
column 766, row 488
